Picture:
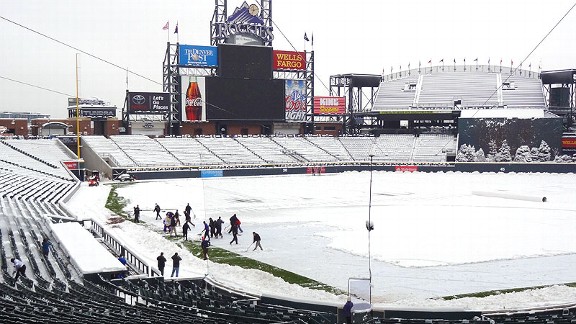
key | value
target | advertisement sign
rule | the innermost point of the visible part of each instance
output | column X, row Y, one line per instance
column 71, row 165
column 295, row 100
column 406, row 168
column 329, row 105
column 211, row 173
column 148, row 102
column 568, row 142
column 193, row 106
column 286, row 60
column 93, row 112
column 198, row 56
column 86, row 102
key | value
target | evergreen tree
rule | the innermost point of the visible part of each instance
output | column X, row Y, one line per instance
column 480, row 157
column 492, row 150
column 544, row 154
column 523, row 154
column 466, row 153
column 534, row 153
column 503, row 154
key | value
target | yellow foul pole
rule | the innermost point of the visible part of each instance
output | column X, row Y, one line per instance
column 77, row 114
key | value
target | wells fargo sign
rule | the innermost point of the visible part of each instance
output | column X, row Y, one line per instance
column 329, row 105
column 286, row 60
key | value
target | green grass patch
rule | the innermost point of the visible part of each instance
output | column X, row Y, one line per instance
column 118, row 204
column 483, row 294
column 219, row 255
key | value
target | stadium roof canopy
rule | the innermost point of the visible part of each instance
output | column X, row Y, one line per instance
column 559, row 76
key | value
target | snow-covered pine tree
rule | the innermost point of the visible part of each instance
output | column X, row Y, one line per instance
column 492, row 151
column 523, row 154
column 466, row 153
column 503, row 154
column 544, row 154
column 480, row 157
column 534, row 153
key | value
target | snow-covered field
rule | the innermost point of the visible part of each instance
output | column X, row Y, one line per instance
column 436, row 234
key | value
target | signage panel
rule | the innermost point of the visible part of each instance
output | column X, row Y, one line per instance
column 295, row 100
column 198, row 56
column 329, row 105
column 287, row 60
column 148, row 102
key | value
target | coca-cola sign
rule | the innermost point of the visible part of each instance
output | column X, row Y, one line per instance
column 295, row 100
column 192, row 99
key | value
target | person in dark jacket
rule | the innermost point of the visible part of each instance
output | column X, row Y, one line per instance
column 157, row 210
column 175, row 264
column 212, row 226
column 20, row 269
column 46, row 244
column 257, row 241
column 234, row 229
column 205, row 244
column 187, row 211
column 347, row 310
column 124, row 262
column 137, row 214
column 161, row 262
column 218, row 224
column 233, row 222
column 173, row 223
column 185, row 230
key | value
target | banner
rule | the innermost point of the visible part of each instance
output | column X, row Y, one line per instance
column 148, row 102
column 71, row 165
column 286, row 60
column 295, row 100
column 193, row 104
column 568, row 142
column 198, row 56
column 85, row 101
column 406, row 168
column 329, row 105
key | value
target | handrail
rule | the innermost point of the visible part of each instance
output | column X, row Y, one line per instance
column 118, row 247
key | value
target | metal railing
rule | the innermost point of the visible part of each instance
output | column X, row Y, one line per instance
column 135, row 262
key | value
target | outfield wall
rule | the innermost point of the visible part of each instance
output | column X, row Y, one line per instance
column 269, row 171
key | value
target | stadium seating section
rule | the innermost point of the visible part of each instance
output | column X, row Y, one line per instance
column 33, row 182
column 166, row 152
column 460, row 87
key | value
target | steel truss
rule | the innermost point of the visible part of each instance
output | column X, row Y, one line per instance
column 173, row 71
column 343, row 85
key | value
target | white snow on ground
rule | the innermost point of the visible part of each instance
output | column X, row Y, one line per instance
column 436, row 234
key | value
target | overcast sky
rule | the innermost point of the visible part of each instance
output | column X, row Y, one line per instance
column 362, row 36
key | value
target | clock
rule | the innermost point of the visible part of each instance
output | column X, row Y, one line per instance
column 253, row 9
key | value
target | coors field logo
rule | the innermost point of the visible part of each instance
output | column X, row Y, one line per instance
column 246, row 22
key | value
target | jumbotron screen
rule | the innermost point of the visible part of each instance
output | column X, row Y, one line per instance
column 245, row 62
column 245, row 99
